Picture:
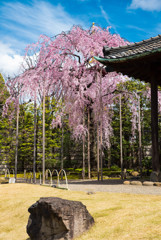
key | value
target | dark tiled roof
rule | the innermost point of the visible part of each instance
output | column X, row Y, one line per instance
column 140, row 60
column 134, row 49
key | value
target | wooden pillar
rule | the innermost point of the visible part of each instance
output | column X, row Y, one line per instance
column 154, row 125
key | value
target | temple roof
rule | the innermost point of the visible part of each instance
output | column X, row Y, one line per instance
column 140, row 60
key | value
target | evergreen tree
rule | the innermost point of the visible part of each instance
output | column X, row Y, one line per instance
column 131, row 141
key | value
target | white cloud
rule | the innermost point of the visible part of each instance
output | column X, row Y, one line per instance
column 39, row 18
column 147, row 5
column 106, row 17
column 158, row 28
column 24, row 24
column 136, row 28
column 5, row 49
column 9, row 60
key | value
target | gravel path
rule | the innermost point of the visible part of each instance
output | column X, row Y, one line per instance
column 115, row 186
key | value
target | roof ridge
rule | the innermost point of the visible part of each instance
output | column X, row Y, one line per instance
column 149, row 40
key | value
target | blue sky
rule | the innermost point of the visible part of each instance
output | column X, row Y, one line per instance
column 22, row 22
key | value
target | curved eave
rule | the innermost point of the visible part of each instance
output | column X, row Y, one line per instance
column 107, row 60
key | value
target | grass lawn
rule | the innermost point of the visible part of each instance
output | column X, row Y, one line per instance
column 117, row 216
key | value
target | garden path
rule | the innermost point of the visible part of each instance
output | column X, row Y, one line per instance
column 114, row 186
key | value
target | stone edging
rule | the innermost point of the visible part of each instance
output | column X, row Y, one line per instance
column 145, row 183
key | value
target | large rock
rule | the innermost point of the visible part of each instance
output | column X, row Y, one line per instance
column 154, row 176
column 55, row 218
column 159, row 177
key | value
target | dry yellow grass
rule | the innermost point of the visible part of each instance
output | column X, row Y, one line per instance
column 117, row 216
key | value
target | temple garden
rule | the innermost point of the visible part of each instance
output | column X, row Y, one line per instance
column 116, row 215
column 77, row 126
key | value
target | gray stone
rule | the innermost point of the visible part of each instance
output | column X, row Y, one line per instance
column 158, row 184
column 148, row 183
column 136, row 183
column 55, row 218
column 159, row 177
column 90, row 192
column 154, row 176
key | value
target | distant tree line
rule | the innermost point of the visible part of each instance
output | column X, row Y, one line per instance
column 64, row 110
column 58, row 138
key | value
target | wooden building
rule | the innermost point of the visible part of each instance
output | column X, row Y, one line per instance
column 141, row 61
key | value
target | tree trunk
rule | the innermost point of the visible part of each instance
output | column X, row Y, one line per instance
column 35, row 135
column 37, row 130
column 62, row 150
column 140, row 145
column 83, row 163
column 101, row 125
column 121, row 153
column 134, row 156
column 43, row 142
column 89, row 166
column 109, row 157
column 62, row 147
column 98, row 153
column 130, row 162
column 17, row 132
column 101, row 152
